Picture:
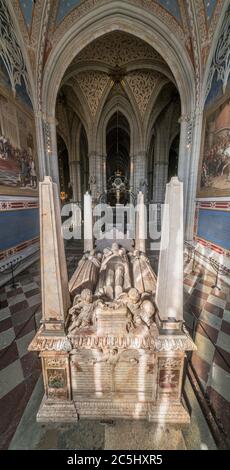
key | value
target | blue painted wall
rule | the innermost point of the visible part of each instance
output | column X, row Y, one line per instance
column 209, row 7
column 172, row 7
column 65, row 6
column 17, row 227
column 216, row 91
column 20, row 89
column 214, row 226
column 27, row 10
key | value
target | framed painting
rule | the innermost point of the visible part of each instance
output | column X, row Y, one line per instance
column 18, row 156
column 214, row 168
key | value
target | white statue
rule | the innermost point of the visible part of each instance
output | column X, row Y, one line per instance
column 144, row 278
column 141, row 308
column 82, row 310
column 114, row 275
column 86, row 274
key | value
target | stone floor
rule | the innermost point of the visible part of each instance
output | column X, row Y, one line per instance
column 207, row 316
column 117, row 435
column 20, row 314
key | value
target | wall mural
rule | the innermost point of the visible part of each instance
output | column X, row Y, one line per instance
column 18, row 159
column 215, row 165
column 18, row 165
column 219, row 73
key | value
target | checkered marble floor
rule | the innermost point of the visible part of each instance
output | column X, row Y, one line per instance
column 20, row 314
column 207, row 315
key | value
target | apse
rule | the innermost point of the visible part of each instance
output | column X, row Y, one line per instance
column 118, row 146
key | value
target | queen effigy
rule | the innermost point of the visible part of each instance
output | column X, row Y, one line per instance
column 112, row 340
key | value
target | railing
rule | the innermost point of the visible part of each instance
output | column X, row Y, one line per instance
column 215, row 264
column 10, row 268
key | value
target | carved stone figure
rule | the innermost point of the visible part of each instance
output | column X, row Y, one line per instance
column 114, row 275
column 141, row 308
column 144, row 278
column 82, row 310
column 86, row 274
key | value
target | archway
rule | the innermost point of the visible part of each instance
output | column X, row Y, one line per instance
column 84, row 161
column 119, row 16
column 63, row 165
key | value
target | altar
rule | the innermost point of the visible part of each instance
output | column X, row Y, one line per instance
column 107, row 349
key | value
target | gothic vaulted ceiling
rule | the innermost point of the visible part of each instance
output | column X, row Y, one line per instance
column 43, row 23
column 117, row 57
column 63, row 13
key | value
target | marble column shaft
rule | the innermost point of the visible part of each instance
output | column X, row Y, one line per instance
column 76, row 179
column 54, row 278
column 169, row 292
column 141, row 223
column 88, row 222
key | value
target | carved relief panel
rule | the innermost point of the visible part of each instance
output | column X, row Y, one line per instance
column 56, row 375
column 113, row 372
column 169, row 380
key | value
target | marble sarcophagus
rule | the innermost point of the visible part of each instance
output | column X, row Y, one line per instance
column 106, row 352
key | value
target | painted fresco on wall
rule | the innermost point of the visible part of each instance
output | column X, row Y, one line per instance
column 215, row 165
column 18, row 160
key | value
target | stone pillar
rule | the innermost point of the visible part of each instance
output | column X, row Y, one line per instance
column 41, row 151
column 161, row 157
column 190, row 143
column 54, row 279
column 160, row 180
column 104, row 180
column 88, row 223
column 169, row 292
column 76, row 180
column 139, row 170
column 141, row 223
column 52, row 155
column 131, row 179
column 95, row 175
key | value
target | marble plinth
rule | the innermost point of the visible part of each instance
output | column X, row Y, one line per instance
column 105, row 376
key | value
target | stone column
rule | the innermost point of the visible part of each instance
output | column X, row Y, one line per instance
column 189, row 154
column 52, row 154
column 169, row 292
column 139, row 170
column 54, row 278
column 104, row 180
column 131, row 179
column 161, row 157
column 141, row 223
column 41, row 150
column 95, row 175
column 160, row 180
column 76, row 179
column 88, row 223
